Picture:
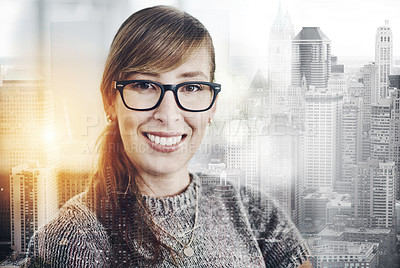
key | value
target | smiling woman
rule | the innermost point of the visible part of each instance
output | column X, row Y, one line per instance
column 149, row 211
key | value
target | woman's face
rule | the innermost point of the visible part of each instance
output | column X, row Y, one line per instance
column 160, row 142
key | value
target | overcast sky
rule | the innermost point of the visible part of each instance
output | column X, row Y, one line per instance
column 350, row 24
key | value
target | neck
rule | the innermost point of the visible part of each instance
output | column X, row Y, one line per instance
column 163, row 185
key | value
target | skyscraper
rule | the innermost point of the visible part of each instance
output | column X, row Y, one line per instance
column 394, row 148
column 280, row 60
column 383, row 58
column 381, row 129
column 311, row 50
column 321, row 144
column 26, row 129
column 33, row 200
column 370, row 93
column 351, row 142
column 373, row 203
column 279, row 163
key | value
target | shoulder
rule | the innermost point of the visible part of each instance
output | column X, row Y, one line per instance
column 279, row 239
column 74, row 238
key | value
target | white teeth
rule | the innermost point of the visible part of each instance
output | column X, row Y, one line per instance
column 164, row 140
column 169, row 141
column 151, row 137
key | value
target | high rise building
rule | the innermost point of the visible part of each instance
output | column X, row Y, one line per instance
column 279, row 163
column 335, row 67
column 338, row 83
column 370, row 93
column 280, row 60
column 33, row 200
column 351, row 142
column 26, row 129
column 394, row 147
column 257, row 98
column 373, row 193
column 311, row 58
column 321, row 139
column 381, row 120
column 383, row 58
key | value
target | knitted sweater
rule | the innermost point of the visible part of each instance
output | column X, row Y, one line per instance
column 231, row 231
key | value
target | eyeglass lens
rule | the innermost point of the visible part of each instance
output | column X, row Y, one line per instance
column 145, row 95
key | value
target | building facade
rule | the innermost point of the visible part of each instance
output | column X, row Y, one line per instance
column 33, row 202
column 383, row 58
column 311, row 58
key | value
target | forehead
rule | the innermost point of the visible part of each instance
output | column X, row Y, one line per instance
column 196, row 64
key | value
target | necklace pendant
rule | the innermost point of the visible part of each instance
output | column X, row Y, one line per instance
column 188, row 251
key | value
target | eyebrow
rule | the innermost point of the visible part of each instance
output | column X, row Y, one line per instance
column 192, row 74
column 145, row 74
column 183, row 75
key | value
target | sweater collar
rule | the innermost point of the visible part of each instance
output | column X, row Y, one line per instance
column 162, row 206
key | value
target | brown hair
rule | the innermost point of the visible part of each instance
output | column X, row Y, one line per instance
column 159, row 38
column 154, row 39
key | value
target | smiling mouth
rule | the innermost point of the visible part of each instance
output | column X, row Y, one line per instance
column 164, row 141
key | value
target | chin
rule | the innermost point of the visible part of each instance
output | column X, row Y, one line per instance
column 163, row 166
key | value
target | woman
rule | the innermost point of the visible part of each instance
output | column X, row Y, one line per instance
column 149, row 211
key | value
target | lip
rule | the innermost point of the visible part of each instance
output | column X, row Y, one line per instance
column 165, row 148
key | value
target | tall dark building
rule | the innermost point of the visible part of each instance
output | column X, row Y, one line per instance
column 311, row 58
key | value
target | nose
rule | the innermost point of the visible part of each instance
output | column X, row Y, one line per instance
column 168, row 110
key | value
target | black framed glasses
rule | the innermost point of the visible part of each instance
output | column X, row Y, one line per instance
column 146, row 95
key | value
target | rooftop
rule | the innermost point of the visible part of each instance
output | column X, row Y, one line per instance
column 259, row 81
column 329, row 231
column 311, row 33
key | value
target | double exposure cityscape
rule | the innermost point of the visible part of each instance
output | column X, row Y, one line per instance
column 318, row 132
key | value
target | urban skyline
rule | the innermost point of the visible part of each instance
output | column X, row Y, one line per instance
column 317, row 137
column 348, row 23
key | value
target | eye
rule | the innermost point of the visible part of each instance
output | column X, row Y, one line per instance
column 191, row 88
column 143, row 85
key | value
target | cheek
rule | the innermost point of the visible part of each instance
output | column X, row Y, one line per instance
column 198, row 124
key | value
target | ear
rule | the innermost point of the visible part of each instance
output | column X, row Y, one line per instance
column 109, row 108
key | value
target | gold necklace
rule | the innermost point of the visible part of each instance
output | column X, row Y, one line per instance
column 187, row 249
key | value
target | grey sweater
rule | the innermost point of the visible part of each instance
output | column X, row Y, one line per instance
column 232, row 231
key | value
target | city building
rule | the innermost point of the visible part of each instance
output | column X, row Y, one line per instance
column 344, row 254
column 26, row 130
column 33, row 202
column 323, row 110
column 75, row 169
column 338, row 83
column 257, row 97
column 314, row 209
column 351, row 142
column 242, row 151
column 279, row 163
column 398, row 216
column 339, row 206
column 380, row 132
column 394, row 147
column 383, row 58
column 385, row 237
column 280, row 60
column 335, row 67
column 373, row 194
column 311, row 58
column 370, row 93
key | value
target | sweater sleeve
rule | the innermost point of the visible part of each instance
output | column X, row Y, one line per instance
column 75, row 238
column 278, row 238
